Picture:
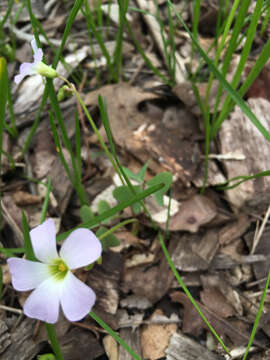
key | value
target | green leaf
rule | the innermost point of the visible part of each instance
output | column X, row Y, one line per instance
column 46, row 357
column 141, row 173
column 123, row 193
column 102, row 207
column 113, row 211
column 165, row 178
column 86, row 213
column 1, row 282
column 131, row 174
column 29, row 252
column 3, row 97
column 108, row 241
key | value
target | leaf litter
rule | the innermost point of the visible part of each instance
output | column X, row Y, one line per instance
column 211, row 235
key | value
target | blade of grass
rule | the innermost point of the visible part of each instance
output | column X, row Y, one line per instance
column 114, row 335
column 11, row 251
column 7, row 14
column 118, row 51
column 116, row 227
column 46, row 202
column 242, row 179
column 243, row 58
column 71, row 17
column 29, row 252
column 234, row 95
column 113, row 211
column 187, row 292
column 258, row 316
column 3, row 100
column 257, row 68
column 121, row 173
column 91, row 23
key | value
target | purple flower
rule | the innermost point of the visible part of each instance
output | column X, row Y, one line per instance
column 52, row 279
column 37, row 67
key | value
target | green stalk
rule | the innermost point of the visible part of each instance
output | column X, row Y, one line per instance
column 258, row 316
column 54, row 342
column 92, row 123
column 116, row 227
column 114, row 335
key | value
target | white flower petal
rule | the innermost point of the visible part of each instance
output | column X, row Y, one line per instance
column 38, row 56
column 77, row 299
column 43, row 303
column 26, row 274
column 34, row 45
column 44, row 241
column 80, row 248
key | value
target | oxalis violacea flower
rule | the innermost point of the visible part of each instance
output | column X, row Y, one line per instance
column 52, row 279
column 36, row 67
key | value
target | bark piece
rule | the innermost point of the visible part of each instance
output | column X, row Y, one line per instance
column 234, row 230
column 193, row 323
column 81, row 344
column 260, row 269
column 104, row 280
column 5, row 339
column 12, row 215
column 193, row 252
column 132, row 338
column 22, row 344
column 183, row 348
column 46, row 163
column 150, row 282
column 235, row 135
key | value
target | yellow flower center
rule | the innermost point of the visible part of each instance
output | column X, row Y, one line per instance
column 58, row 269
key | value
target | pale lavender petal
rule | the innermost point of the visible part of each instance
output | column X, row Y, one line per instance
column 44, row 242
column 18, row 78
column 80, row 248
column 38, row 55
column 27, row 69
column 26, row 274
column 43, row 303
column 77, row 299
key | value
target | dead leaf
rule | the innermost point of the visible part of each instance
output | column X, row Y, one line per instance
column 111, row 347
column 23, row 198
column 193, row 213
column 216, row 301
column 155, row 338
column 234, row 229
column 193, row 323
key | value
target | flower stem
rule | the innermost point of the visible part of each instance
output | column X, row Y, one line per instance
column 54, row 342
column 91, row 121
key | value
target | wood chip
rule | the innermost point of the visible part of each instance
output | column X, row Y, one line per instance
column 193, row 213
column 234, row 136
column 183, row 348
column 155, row 338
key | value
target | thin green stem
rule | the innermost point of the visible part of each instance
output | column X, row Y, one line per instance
column 114, row 335
column 92, row 123
column 116, row 227
column 258, row 316
column 54, row 342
